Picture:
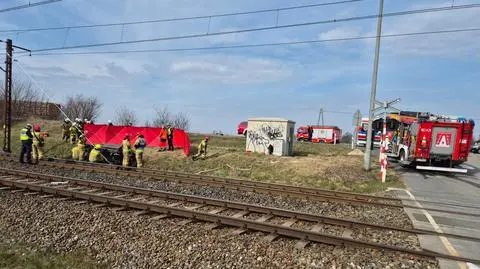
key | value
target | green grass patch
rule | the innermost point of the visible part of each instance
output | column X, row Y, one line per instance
column 19, row 256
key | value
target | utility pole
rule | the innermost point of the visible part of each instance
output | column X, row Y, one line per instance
column 320, row 116
column 7, row 121
column 357, row 117
column 368, row 151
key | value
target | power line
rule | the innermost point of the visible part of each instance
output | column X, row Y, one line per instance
column 182, row 18
column 400, row 13
column 259, row 45
column 29, row 5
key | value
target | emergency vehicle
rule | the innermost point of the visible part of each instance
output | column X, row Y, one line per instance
column 321, row 134
column 430, row 142
column 362, row 134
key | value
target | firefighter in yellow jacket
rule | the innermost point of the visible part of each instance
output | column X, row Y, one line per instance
column 78, row 152
column 139, row 145
column 66, row 129
column 95, row 155
column 73, row 133
column 38, row 144
column 126, row 149
column 202, row 149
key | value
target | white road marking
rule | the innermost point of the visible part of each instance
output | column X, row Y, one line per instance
column 472, row 266
column 467, row 166
column 437, row 228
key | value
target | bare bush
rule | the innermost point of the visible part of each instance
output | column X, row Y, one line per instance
column 125, row 116
column 82, row 107
column 25, row 99
column 163, row 117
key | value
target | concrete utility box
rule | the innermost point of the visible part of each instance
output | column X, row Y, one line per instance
column 272, row 136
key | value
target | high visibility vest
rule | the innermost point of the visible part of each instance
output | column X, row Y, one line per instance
column 38, row 138
column 170, row 131
column 94, row 155
column 202, row 146
column 23, row 135
column 81, row 143
column 73, row 130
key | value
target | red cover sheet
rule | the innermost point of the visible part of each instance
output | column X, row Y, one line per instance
column 111, row 134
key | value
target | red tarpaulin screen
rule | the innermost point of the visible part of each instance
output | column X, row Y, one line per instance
column 111, row 134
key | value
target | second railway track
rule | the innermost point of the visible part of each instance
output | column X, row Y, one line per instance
column 245, row 185
column 275, row 222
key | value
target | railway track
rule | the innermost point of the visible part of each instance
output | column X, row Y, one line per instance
column 274, row 222
column 246, row 185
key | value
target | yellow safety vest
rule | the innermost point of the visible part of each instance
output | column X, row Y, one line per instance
column 23, row 135
column 81, row 143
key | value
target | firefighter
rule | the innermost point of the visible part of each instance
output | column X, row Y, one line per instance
column 73, row 133
column 80, row 124
column 170, row 137
column 139, row 145
column 81, row 147
column 38, row 144
column 95, row 154
column 163, row 139
column 126, row 149
column 202, row 149
column 26, row 138
column 66, row 129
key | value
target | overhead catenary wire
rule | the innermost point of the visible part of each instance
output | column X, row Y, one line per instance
column 399, row 13
column 182, row 18
column 29, row 5
column 259, row 45
column 50, row 98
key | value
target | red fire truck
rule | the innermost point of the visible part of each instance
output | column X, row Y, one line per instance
column 320, row 134
column 429, row 141
column 362, row 134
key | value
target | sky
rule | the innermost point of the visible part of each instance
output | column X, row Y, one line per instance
column 219, row 88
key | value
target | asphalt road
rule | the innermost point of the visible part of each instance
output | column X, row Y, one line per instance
column 459, row 193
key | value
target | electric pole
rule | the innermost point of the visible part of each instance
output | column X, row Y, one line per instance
column 368, row 150
column 7, row 121
column 320, row 116
column 357, row 118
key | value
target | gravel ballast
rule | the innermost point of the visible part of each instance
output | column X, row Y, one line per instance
column 125, row 240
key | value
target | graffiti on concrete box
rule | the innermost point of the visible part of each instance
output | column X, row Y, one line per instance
column 264, row 137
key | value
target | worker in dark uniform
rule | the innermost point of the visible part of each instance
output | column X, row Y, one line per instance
column 170, row 137
column 26, row 137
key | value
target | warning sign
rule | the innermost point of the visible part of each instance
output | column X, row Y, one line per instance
column 444, row 140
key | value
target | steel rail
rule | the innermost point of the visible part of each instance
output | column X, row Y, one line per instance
column 229, row 204
column 238, row 184
column 226, row 220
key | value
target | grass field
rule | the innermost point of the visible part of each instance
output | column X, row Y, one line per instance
column 17, row 256
column 314, row 165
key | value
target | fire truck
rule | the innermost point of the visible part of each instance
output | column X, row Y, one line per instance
column 320, row 134
column 362, row 134
column 427, row 141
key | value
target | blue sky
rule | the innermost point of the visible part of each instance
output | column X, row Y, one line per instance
column 219, row 88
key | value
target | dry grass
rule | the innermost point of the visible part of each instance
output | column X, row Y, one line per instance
column 314, row 165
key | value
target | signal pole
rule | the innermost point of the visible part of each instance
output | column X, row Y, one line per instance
column 320, row 116
column 367, row 164
column 7, row 121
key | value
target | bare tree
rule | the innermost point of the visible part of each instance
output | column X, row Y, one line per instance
column 82, row 107
column 181, row 121
column 125, row 116
column 163, row 117
column 25, row 99
column 148, row 123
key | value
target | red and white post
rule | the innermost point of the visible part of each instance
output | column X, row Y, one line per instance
column 383, row 152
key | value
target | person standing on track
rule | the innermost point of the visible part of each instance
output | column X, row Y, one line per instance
column 170, row 130
column 26, row 138
column 38, row 144
column 126, row 149
column 139, row 145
